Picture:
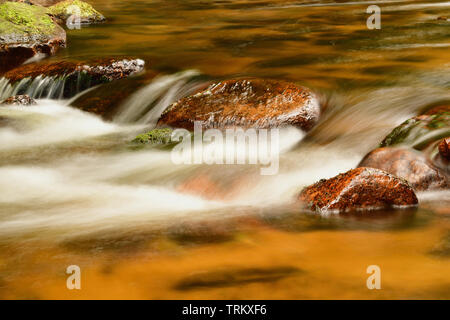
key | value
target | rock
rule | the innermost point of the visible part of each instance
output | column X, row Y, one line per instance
column 25, row 31
column 87, row 14
column 245, row 103
column 358, row 189
column 43, row 3
column 444, row 148
column 20, row 100
column 78, row 76
column 408, row 164
column 154, row 137
column 437, row 110
column 107, row 99
column 420, row 131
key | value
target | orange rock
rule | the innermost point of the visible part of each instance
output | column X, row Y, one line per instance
column 437, row 109
column 254, row 103
column 358, row 189
column 201, row 185
column 408, row 164
column 108, row 68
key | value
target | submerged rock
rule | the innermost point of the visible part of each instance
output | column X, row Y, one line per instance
column 408, row 164
column 437, row 109
column 79, row 9
column 25, row 31
column 20, row 100
column 245, row 103
column 420, row 131
column 77, row 76
column 106, row 100
column 358, row 189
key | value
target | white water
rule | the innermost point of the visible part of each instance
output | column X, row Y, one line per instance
column 39, row 87
column 49, row 188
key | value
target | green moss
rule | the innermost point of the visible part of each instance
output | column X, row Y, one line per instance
column 155, row 136
column 418, row 132
column 62, row 10
column 21, row 19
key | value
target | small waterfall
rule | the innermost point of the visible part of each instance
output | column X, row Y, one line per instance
column 146, row 105
column 38, row 88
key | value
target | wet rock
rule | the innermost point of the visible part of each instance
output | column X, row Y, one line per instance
column 25, row 31
column 437, row 110
column 245, row 103
column 78, row 76
column 444, row 148
column 106, row 100
column 78, row 9
column 20, row 100
column 408, row 164
column 154, row 137
column 358, row 189
column 420, row 131
column 204, row 186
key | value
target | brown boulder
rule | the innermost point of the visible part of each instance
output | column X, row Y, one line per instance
column 437, row 109
column 408, row 164
column 358, row 189
column 109, row 69
column 245, row 103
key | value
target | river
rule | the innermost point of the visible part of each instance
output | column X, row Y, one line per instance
column 73, row 192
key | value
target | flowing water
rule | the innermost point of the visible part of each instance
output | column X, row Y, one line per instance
column 74, row 192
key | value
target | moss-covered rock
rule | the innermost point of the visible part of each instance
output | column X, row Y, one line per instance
column 420, row 131
column 154, row 137
column 26, row 30
column 63, row 10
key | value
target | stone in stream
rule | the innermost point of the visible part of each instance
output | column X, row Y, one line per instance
column 20, row 100
column 444, row 148
column 77, row 75
column 254, row 103
column 106, row 100
column 25, row 31
column 79, row 9
column 420, row 131
column 358, row 189
column 437, row 109
column 408, row 164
